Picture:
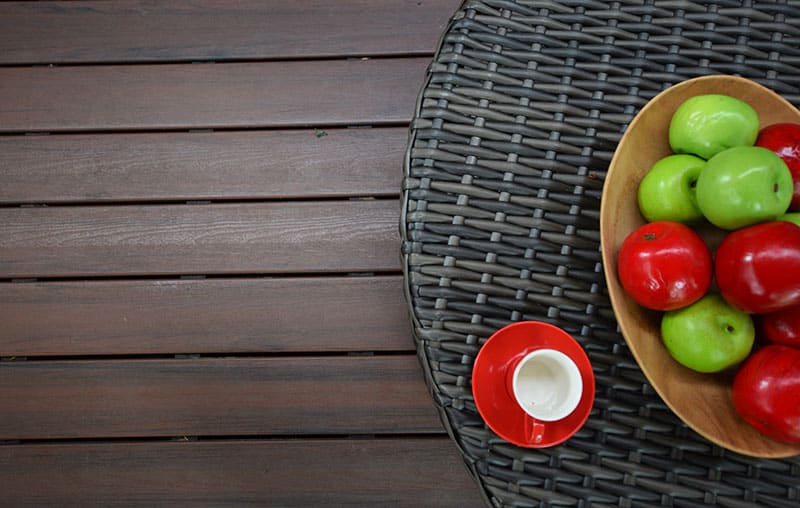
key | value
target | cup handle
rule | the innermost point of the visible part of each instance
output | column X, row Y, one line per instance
column 534, row 430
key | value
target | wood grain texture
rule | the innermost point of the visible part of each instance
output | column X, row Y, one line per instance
column 240, row 95
column 253, row 315
column 214, row 397
column 313, row 237
column 201, row 165
column 141, row 31
column 317, row 472
column 123, row 383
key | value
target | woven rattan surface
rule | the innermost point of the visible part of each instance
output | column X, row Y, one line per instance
column 515, row 126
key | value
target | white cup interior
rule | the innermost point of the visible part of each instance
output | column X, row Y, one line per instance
column 547, row 384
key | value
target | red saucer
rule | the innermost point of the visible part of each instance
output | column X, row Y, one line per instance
column 492, row 392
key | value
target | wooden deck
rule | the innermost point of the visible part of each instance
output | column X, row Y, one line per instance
column 201, row 301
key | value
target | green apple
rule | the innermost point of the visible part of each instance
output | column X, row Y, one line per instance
column 667, row 191
column 705, row 125
column 742, row 186
column 791, row 217
column 708, row 335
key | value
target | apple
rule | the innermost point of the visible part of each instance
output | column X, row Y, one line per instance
column 708, row 335
column 757, row 268
column 766, row 390
column 781, row 326
column 667, row 191
column 705, row 125
column 664, row 265
column 784, row 140
column 793, row 217
column 743, row 186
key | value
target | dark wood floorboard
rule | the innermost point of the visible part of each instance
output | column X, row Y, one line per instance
column 224, row 95
column 175, row 166
column 143, row 31
column 214, row 397
column 174, row 316
column 273, row 238
column 405, row 472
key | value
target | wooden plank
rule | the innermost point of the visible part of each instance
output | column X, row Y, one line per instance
column 240, row 95
column 204, row 316
column 327, row 236
column 201, row 165
column 214, row 397
column 141, row 31
column 287, row 473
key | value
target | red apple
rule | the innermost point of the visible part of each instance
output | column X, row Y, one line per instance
column 766, row 390
column 784, row 140
column 665, row 265
column 757, row 268
column 781, row 326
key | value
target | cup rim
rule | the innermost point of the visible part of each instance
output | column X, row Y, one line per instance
column 575, row 374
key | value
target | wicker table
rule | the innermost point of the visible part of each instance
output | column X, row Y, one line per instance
column 514, row 129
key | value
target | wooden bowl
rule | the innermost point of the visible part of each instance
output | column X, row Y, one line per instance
column 703, row 401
